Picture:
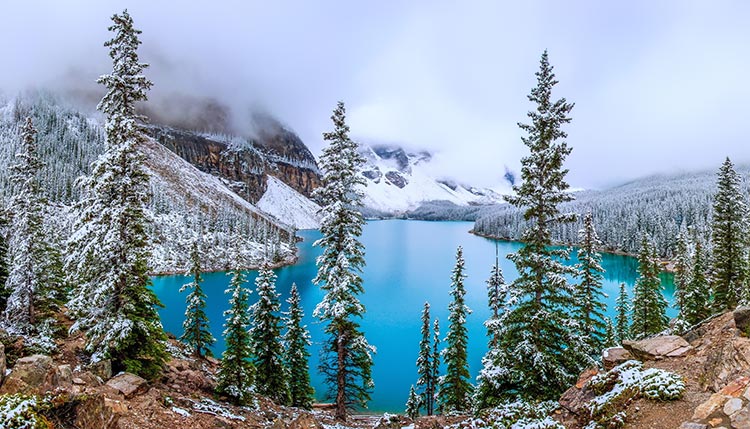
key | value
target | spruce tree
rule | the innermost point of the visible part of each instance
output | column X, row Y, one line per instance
column 197, row 333
column 590, row 308
column 497, row 295
column 4, row 293
column 271, row 376
column 32, row 282
column 610, row 339
column 346, row 360
column 454, row 388
column 235, row 376
column 681, row 273
column 697, row 296
column 649, row 304
column 540, row 351
column 728, row 239
column 435, row 362
column 622, row 324
column 413, row 404
column 109, row 252
column 296, row 341
column 426, row 382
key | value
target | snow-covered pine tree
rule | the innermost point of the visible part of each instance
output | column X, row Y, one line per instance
column 426, row 382
column 649, row 304
column 109, row 251
column 622, row 324
column 4, row 293
column 197, row 334
column 540, row 351
column 271, row 375
column 590, row 308
column 435, row 361
column 235, row 376
column 681, row 273
column 697, row 296
column 296, row 340
column 610, row 339
column 454, row 389
column 413, row 404
column 346, row 356
column 497, row 295
column 32, row 281
column 728, row 239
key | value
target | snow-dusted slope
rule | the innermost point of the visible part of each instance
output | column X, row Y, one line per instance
column 288, row 205
column 398, row 181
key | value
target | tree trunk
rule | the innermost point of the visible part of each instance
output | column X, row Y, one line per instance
column 341, row 377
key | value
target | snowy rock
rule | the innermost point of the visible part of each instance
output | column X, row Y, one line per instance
column 128, row 384
column 614, row 356
column 102, row 369
column 658, row 347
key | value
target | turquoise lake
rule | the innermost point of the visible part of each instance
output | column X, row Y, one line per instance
column 408, row 263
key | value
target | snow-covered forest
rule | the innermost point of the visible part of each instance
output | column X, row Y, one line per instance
column 184, row 199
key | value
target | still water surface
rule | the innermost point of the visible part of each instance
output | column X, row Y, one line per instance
column 408, row 263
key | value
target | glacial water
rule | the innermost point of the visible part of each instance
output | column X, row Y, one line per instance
column 408, row 263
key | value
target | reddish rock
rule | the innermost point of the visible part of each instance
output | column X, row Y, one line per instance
column 128, row 384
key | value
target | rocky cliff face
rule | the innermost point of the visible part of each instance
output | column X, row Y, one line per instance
column 244, row 163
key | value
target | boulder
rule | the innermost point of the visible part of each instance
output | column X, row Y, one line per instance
column 742, row 319
column 96, row 412
column 128, row 384
column 614, row 356
column 305, row 421
column 28, row 375
column 707, row 408
column 62, row 376
column 657, row 348
column 102, row 369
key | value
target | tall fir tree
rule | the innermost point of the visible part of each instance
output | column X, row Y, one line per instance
column 4, row 292
column 271, row 375
column 435, row 361
column 540, row 350
column 622, row 323
column 649, row 304
column 427, row 382
column 33, row 279
column 610, row 339
column 455, row 391
column 296, row 341
column 236, row 372
column 681, row 273
column 413, row 404
column 590, row 307
column 697, row 296
column 197, row 333
column 109, row 251
column 728, row 239
column 346, row 357
column 497, row 295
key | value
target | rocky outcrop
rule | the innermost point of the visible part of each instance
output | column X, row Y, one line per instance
column 657, row 348
column 244, row 163
column 128, row 384
column 614, row 356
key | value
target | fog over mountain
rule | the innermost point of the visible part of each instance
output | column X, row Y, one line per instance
column 658, row 86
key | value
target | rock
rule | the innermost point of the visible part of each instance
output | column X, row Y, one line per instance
column 658, row 347
column 735, row 388
column 614, row 356
column 389, row 421
column 725, row 363
column 741, row 419
column 89, row 379
column 102, row 369
column 278, row 424
column 742, row 319
column 691, row 425
column 63, row 376
column 78, row 381
column 3, row 363
column 128, row 384
column 575, row 399
column 732, row 406
column 28, row 375
column 96, row 412
column 707, row 408
column 305, row 421
column 715, row 421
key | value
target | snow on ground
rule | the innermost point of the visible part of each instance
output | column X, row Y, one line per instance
column 289, row 206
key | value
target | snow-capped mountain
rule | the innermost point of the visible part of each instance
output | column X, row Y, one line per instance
column 399, row 181
column 283, row 202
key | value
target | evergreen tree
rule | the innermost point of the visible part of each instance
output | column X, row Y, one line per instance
column 497, row 295
column 622, row 325
column 728, row 239
column 346, row 360
column 539, row 350
column 649, row 304
column 31, row 283
column 454, row 387
column 296, row 340
column 681, row 273
column 413, row 404
column 590, row 308
column 435, row 361
column 271, row 376
column 426, row 382
column 610, row 339
column 697, row 296
column 235, row 376
column 197, row 333
column 110, row 249
column 4, row 292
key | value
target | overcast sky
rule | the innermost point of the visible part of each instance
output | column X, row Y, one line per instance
column 659, row 86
